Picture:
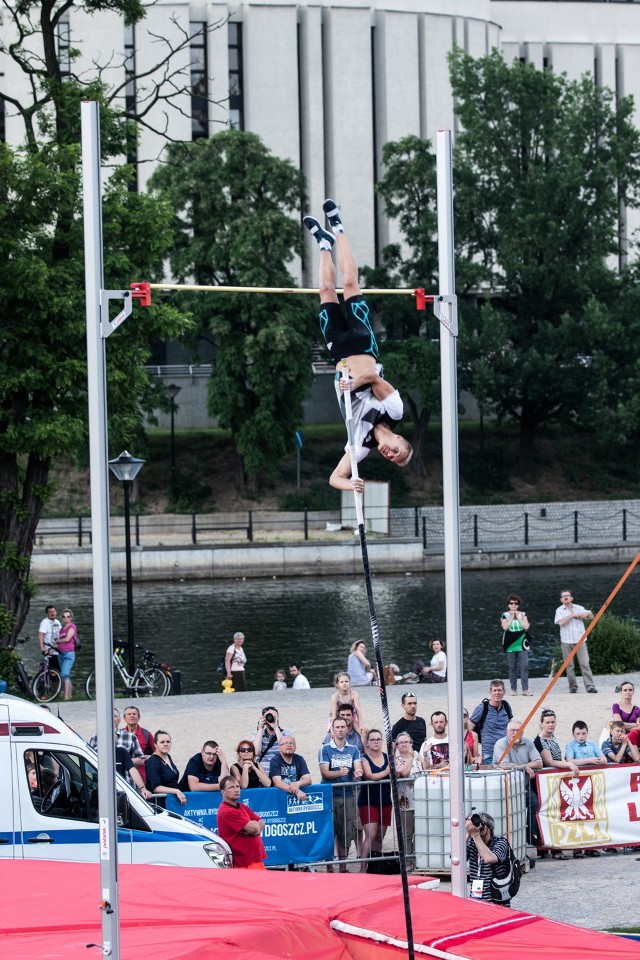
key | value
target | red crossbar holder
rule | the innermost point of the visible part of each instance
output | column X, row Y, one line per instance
column 422, row 299
column 142, row 292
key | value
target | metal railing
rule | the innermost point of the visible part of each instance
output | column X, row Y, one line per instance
column 486, row 526
column 513, row 525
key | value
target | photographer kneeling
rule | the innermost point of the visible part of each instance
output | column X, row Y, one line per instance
column 486, row 853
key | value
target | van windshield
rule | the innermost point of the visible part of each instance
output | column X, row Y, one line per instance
column 62, row 784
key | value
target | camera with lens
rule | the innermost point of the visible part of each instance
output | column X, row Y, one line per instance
column 270, row 718
column 476, row 819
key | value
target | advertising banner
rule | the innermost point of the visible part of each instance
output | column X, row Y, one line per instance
column 599, row 807
column 296, row 831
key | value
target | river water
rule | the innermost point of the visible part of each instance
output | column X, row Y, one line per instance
column 314, row 621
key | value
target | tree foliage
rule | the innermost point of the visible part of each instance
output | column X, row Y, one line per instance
column 614, row 645
column 541, row 166
column 613, row 403
column 233, row 226
column 43, row 392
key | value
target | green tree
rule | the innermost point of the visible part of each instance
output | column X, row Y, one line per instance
column 411, row 357
column 43, row 393
column 541, row 166
column 613, row 405
column 233, row 226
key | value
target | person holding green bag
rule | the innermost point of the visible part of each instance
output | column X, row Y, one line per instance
column 515, row 643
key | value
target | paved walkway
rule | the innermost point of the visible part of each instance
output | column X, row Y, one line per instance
column 595, row 893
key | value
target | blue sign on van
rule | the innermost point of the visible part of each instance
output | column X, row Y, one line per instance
column 295, row 831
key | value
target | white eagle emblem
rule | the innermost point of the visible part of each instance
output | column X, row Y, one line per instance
column 576, row 798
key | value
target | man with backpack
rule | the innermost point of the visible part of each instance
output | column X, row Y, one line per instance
column 494, row 872
column 490, row 719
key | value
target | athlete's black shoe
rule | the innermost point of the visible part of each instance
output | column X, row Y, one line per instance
column 332, row 213
column 324, row 239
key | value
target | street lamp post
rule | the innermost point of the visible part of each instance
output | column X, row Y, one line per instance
column 174, row 390
column 126, row 468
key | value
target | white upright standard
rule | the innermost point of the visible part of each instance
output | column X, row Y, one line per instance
column 448, row 316
column 97, row 387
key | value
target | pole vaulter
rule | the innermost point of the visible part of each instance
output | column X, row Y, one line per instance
column 372, row 409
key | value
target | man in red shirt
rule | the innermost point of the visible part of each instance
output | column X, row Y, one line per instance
column 240, row 827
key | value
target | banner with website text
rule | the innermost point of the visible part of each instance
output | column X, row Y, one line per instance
column 599, row 807
column 295, row 831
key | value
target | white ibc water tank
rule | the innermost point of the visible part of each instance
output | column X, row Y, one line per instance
column 500, row 793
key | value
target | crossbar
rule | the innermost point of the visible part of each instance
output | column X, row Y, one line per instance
column 204, row 288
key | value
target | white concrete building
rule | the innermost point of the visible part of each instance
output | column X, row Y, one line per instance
column 327, row 84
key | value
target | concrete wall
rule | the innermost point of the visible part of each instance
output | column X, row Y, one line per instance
column 312, row 559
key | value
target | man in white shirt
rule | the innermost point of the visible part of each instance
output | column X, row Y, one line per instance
column 376, row 405
column 434, row 752
column 570, row 618
column 300, row 682
column 49, row 629
column 48, row 635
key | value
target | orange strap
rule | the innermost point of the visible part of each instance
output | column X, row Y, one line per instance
column 582, row 640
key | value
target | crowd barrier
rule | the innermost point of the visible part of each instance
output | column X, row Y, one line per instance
column 295, row 832
column 303, row 832
column 600, row 807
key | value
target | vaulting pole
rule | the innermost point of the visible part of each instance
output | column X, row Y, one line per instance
column 379, row 664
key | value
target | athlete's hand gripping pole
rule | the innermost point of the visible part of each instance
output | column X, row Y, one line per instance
column 348, row 416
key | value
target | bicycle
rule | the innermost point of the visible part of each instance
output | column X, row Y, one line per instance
column 46, row 684
column 149, row 679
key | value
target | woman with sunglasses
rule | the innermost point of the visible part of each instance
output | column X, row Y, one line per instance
column 515, row 643
column 247, row 771
column 551, row 753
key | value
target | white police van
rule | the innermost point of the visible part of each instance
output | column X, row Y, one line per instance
column 49, row 801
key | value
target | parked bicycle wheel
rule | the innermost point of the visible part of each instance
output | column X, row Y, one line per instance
column 23, row 680
column 153, row 683
column 90, row 686
column 149, row 662
column 168, row 677
column 46, row 685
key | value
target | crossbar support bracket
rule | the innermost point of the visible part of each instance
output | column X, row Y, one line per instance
column 448, row 318
column 107, row 326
